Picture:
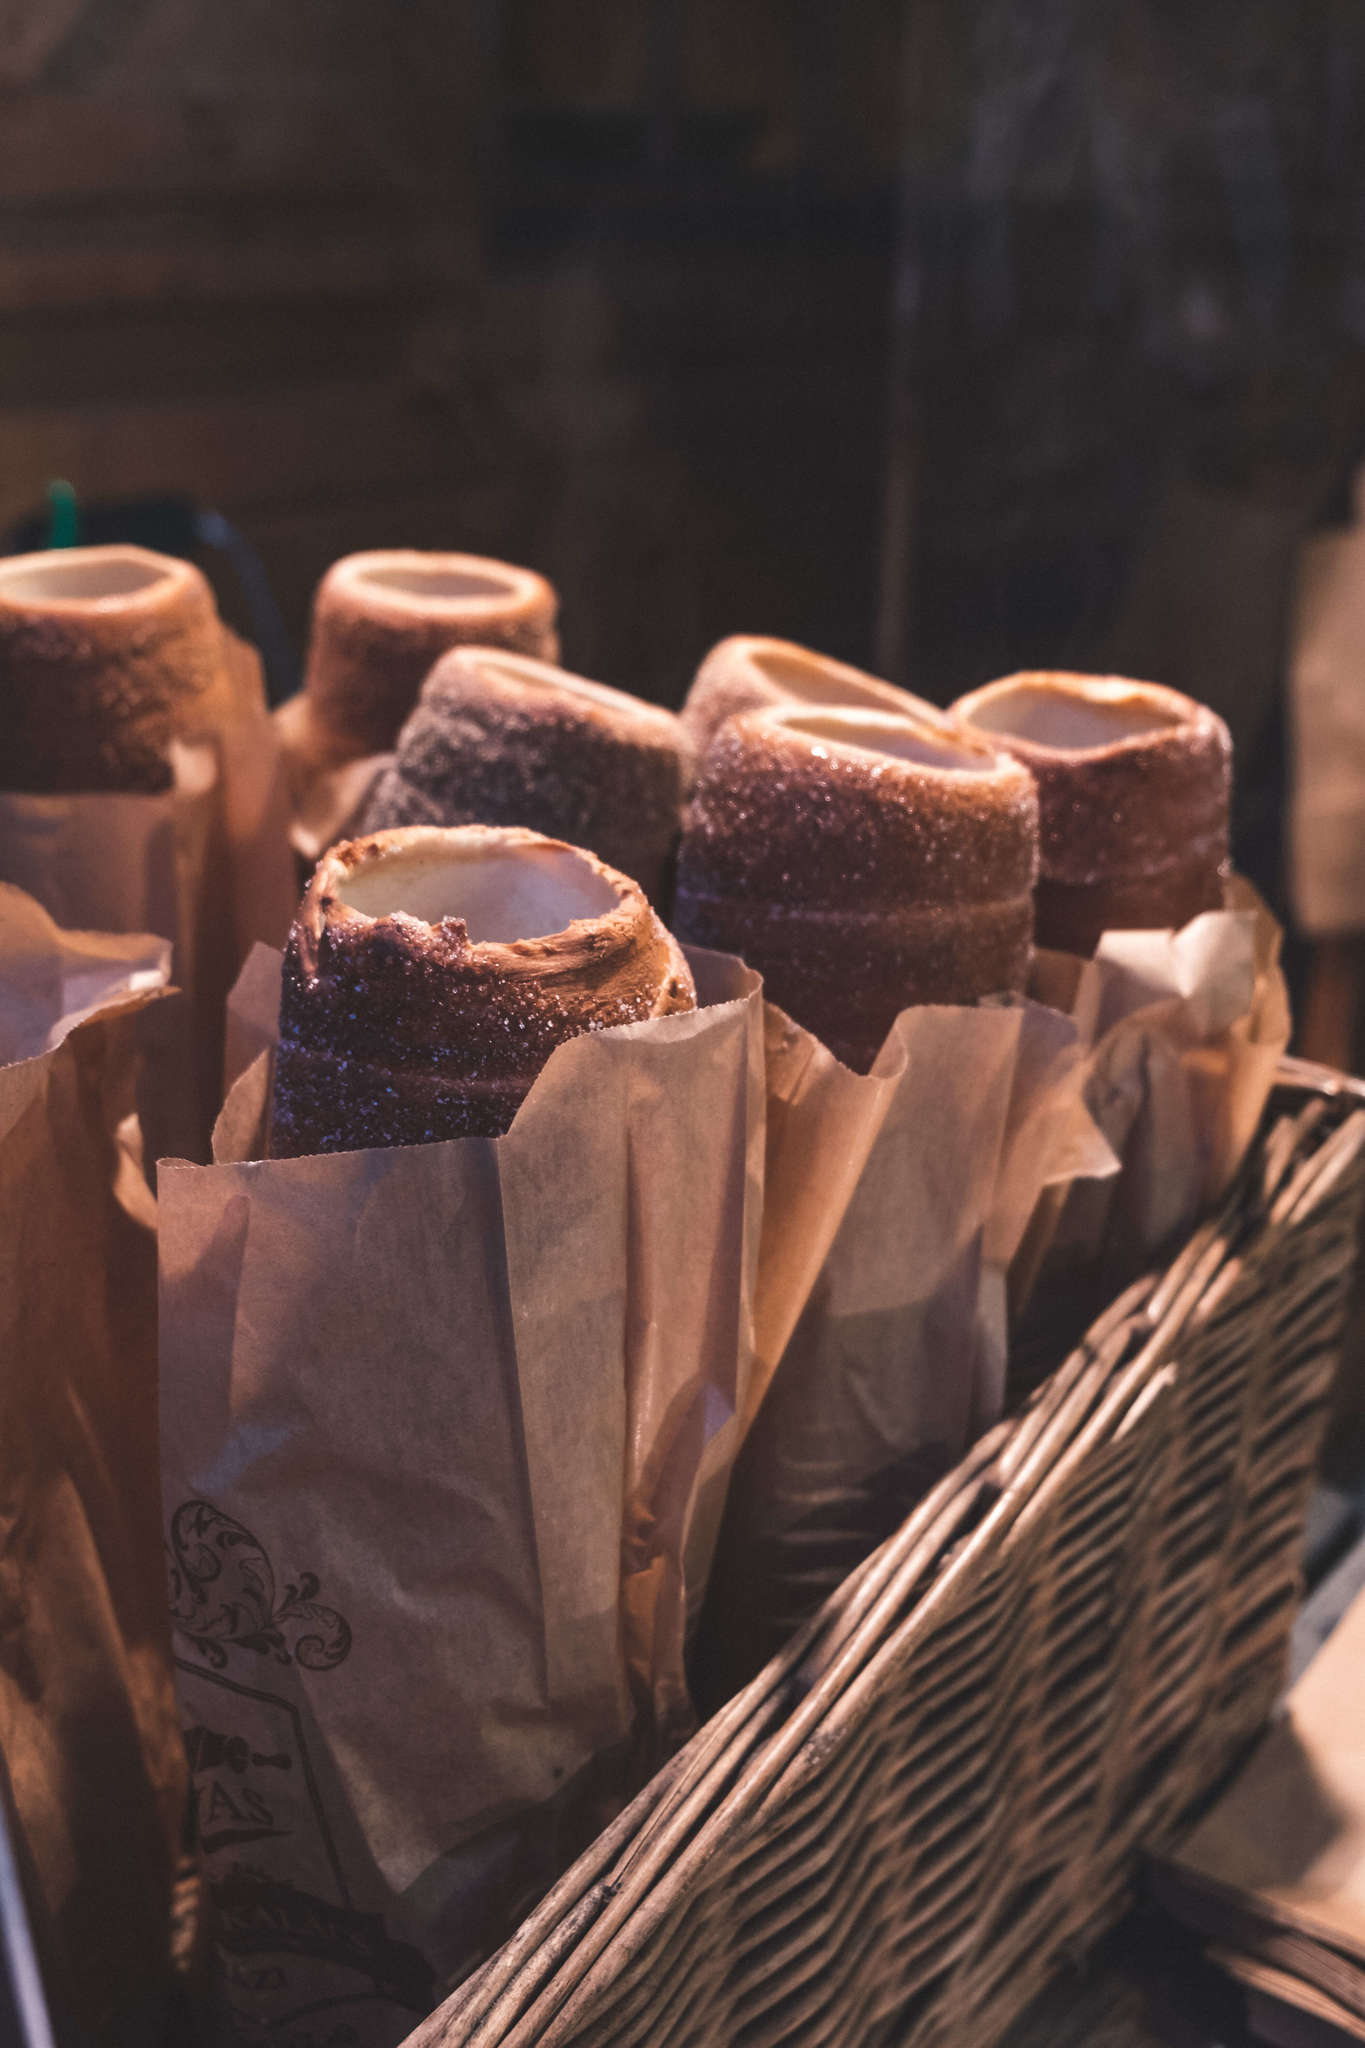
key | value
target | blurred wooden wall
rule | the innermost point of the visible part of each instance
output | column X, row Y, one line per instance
column 600, row 288
column 235, row 240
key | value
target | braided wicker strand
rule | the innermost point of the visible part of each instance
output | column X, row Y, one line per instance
column 940, row 1789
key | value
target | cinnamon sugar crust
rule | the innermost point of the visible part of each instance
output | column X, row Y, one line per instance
column 107, row 654
column 382, row 618
column 1134, row 784
column 750, row 672
column 431, row 972
column 501, row 739
column 861, row 862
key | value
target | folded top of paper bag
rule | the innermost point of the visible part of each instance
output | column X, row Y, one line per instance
column 53, row 980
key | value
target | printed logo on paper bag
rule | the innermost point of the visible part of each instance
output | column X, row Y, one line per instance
column 300, row 1962
column 223, row 1595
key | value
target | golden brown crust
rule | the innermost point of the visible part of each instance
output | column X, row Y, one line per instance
column 381, row 619
column 1134, row 782
column 857, row 879
column 107, row 655
column 501, row 739
column 399, row 1028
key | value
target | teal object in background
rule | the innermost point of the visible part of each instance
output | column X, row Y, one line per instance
column 63, row 529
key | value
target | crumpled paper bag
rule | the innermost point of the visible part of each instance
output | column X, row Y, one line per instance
column 1184, row 1031
column 1327, row 720
column 996, row 1159
column 894, row 1204
column 205, row 864
column 326, row 795
column 445, row 1436
column 93, row 1767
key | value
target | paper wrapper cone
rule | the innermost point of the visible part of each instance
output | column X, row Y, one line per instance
column 912, row 1210
column 206, row 865
column 93, row 1766
column 327, row 790
column 894, row 1203
column 1327, row 707
column 445, row 1435
column 1184, row 1031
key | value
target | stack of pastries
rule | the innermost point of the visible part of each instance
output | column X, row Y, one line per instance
column 862, row 849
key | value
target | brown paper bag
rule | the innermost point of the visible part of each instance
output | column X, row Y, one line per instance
column 1184, row 1032
column 326, row 795
column 894, row 1202
column 445, row 1436
column 206, row 865
column 93, row 1767
column 1327, row 711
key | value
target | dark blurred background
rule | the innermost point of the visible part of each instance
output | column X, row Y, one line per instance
column 947, row 336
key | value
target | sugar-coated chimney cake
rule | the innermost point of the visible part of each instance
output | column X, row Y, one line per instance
column 380, row 621
column 502, row 739
column 107, row 655
column 861, row 862
column 1134, row 783
column 431, row 972
column 750, row 672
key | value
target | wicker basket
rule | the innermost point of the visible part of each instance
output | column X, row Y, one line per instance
column 939, row 1789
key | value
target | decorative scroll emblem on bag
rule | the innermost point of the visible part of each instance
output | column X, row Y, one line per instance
column 223, row 1595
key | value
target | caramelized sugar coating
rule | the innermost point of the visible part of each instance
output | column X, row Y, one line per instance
column 381, row 619
column 431, row 972
column 749, row 672
column 106, row 656
column 501, row 739
column 861, row 863
column 1134, row 783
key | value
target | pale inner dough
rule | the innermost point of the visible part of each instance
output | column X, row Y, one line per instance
column 441, row 586
column 814, row 680
column 86, row 578
column 1072, row 715
column 524, row 892
column 872, row 732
